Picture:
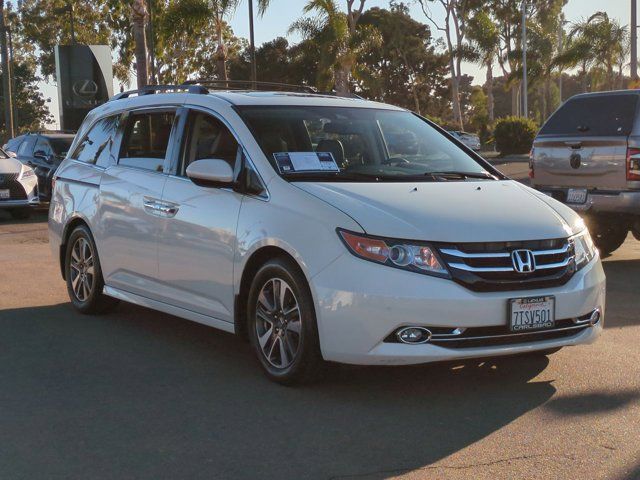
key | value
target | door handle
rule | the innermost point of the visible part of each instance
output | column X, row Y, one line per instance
column 158, row 207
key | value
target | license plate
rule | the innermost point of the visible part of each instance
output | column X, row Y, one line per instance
column 4, row 194
column 531, row 313
column 577, row 195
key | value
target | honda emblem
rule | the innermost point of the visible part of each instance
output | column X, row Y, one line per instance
column 523, row 261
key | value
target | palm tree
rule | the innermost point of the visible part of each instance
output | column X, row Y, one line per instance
column 597, row 45
column 139, row 18
column 340, row 38
column 484, row 37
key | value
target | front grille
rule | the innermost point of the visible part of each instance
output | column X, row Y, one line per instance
column 488, row 267
column 9, row 181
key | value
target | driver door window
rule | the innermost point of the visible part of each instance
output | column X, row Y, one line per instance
column 209, row 138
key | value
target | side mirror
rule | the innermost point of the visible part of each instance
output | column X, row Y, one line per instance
column 210, row 172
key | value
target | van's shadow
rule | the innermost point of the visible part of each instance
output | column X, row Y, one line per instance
column 141, row 394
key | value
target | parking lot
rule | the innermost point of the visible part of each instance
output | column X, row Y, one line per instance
column 137, row 393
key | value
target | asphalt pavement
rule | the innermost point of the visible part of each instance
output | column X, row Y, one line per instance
column 140, row 394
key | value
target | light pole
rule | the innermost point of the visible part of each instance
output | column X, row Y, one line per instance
column 525, row 105
column 252, row 48
column 634, row 40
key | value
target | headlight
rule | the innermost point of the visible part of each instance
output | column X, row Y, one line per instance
column 584, row 249
column 420, row 258
column 27, row 172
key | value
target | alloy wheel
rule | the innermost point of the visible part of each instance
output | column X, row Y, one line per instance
column 278, row 323
column 82, row 269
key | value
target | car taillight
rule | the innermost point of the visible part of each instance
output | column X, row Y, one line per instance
column 531, row 167
column 633, row 164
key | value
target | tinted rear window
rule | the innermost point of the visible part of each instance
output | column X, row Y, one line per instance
column 60, row 145
column 601, row 116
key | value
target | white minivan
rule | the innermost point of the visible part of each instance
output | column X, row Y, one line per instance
column 320, row 228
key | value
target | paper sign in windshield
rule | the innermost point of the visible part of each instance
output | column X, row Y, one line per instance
column 289, row 162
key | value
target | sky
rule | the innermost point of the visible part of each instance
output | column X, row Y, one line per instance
column 283, row 13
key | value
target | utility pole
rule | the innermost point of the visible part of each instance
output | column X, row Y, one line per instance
column 525, row 106
column 252, row 48
column 6, row 77
column 634, row 40
column 73, row 29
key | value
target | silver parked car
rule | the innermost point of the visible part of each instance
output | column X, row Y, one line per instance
column 587, row 155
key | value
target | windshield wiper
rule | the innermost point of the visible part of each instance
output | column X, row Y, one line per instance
column 463, row 175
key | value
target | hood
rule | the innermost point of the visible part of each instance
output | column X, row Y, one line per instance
column 470, row 211
column 10, row 165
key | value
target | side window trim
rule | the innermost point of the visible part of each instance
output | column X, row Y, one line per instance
column 74, row 152
column 243, row 154
column 124, row 133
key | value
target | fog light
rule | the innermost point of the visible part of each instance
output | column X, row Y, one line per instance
column 595, row 317
column 414, row 335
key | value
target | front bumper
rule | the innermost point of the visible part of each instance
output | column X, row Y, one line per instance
column 359, row 304
column 603, row 201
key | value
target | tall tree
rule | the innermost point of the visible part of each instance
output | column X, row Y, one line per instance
column 484, row 38
column 405, row 61
column 340, row 37
column 454, row 27
column 599, row 44
column 139, row 19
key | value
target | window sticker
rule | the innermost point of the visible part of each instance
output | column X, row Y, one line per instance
column 289, row 162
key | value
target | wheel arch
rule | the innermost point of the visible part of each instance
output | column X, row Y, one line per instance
column 68, row 228
column 253, row 263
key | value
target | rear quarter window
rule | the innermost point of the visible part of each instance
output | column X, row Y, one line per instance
column 596, row 116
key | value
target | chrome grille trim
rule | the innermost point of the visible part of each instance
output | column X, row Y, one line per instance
column 548, row 266
column 457, row 253
column 548, row 330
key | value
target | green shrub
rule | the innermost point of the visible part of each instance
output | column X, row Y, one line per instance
column 514, row 135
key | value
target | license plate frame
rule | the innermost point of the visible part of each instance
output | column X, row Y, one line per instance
column 577, row 196
column 520, row 322
column 5, row 194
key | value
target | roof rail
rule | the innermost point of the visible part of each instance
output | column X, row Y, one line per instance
column 203, row 86
column 216, row 84
column 151, row 89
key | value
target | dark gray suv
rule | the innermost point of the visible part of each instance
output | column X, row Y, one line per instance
column 43, row 152
column 587, row 155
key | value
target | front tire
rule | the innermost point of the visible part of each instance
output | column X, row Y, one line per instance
column 282, row 323
column 84, row 275
column 608, row 236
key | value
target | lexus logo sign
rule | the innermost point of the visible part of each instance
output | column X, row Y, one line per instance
column 85, row 88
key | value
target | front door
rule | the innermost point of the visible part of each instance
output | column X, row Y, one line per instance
column 130, row 204
column 196, row 245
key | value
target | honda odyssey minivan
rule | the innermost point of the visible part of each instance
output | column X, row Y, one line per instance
column 320, row 228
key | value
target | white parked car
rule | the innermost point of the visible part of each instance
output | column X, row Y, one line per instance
column 302, row 222
column 471, row 140
column 18, row 186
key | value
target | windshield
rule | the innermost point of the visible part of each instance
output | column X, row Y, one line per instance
column 357, row 144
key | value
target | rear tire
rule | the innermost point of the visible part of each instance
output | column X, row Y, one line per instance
column 281, row 323
column 608, row 236
column 84, row 275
